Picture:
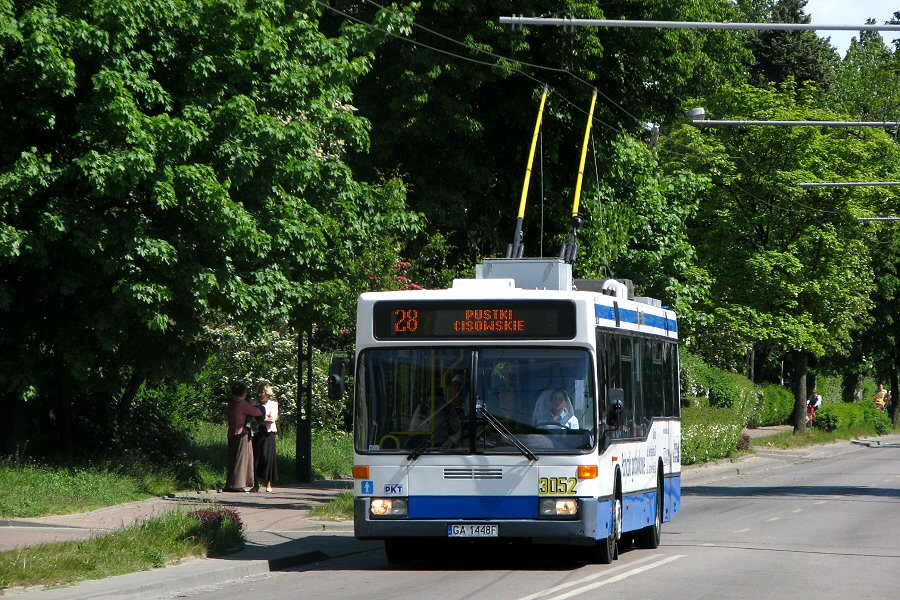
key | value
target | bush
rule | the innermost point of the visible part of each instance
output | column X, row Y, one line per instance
column 724, row 388
column 709, row 433
column 693, row 375
column 774, row 407
column 719, row 404
column 831, row 388
column 219, row 529
column 832, row 417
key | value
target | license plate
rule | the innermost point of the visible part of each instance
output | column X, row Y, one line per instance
column 472, row 530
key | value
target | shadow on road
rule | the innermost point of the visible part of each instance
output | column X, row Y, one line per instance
column 441, row 556
column 714, row 491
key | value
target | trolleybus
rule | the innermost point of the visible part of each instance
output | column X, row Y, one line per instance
column 521, row 405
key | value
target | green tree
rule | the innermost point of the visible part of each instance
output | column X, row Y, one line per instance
column 166, row 163
column 801, row 55
column 453, row 106
column 865, row 82
column 636, row 228
column 791, row 274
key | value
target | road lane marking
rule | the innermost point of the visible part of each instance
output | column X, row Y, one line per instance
column 617, row 578
column 744, row 530
column 610, row 571
column 773, row 519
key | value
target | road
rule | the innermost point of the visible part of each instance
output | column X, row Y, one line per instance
column 824, row 528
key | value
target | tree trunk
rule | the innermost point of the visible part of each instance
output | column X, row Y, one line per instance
column 131, row 389
column 751, row 366
column 801, row 367
column 850, row 387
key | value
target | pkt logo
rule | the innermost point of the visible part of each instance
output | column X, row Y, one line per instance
column 393, row 489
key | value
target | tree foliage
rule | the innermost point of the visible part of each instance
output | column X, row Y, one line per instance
column 865, row 82
column 636, row 228
column 790, row 270
column 163, row 163
column 453, row 105
column 799, row 55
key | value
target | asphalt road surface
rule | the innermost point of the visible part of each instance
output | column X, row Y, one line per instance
column 825, row 528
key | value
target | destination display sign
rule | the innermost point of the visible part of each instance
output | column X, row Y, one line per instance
column 477, row 319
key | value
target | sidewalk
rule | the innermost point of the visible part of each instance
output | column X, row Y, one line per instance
column 276, row 525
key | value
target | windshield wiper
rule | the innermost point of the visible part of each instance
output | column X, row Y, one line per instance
column 502, row 430
column 419, row 449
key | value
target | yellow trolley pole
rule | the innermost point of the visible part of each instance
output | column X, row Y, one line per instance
column 570, row 248
column 516, row 249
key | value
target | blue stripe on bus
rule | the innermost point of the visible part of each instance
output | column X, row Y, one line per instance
column 601, row 311
column 469, row 507
column 605, row 312
column 637, row 510
column 672, row 491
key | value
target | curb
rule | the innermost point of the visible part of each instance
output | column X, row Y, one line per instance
column 170, row 579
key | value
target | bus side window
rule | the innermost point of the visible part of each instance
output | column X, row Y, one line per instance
column 627, row 371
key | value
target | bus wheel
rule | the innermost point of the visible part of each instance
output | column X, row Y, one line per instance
column 607, row 550
column 648, row 537
column 399, row 551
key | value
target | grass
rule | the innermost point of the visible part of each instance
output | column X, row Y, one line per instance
column 29, row 489
column 339, row 509
column 32, row 490
column 813, row 436
column 146, row 545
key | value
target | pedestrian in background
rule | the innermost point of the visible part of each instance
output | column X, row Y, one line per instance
column 813, row 403
column 240, row 450
column 881, row 396
column 266, row 433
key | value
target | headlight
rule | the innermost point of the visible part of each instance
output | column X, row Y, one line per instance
column 559, row 508
column 389, row 507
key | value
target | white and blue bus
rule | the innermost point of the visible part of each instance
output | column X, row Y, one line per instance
column 519, row 405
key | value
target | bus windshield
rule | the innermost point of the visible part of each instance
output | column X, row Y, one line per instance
column 466, row 400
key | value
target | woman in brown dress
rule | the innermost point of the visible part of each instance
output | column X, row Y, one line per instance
column 240, row 452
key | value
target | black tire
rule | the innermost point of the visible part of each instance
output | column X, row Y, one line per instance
column 648, row 537
column 607, row 550
column 398, row 551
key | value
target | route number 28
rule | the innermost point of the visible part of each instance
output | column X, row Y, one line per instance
column 552, row 486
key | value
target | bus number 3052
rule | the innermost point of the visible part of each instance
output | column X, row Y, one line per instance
column 552, row 486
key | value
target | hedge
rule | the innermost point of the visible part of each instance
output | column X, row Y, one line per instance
column 774, row 407
column 836, row 416
column 718, row 404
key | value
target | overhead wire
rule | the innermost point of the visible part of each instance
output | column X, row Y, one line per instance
column 517, row 61
column 517, row 69
column 494, row 65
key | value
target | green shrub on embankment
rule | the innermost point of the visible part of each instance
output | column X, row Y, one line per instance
column 774, row 408
column 708, row 433
column 718, row 404
column 851, row 416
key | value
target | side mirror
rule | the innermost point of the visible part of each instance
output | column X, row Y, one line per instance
column 615, row 405
column 337, row 376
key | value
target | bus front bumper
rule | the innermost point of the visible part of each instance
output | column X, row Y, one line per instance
column 592, row 523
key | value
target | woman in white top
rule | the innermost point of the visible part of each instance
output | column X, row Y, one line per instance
column 266, row 455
